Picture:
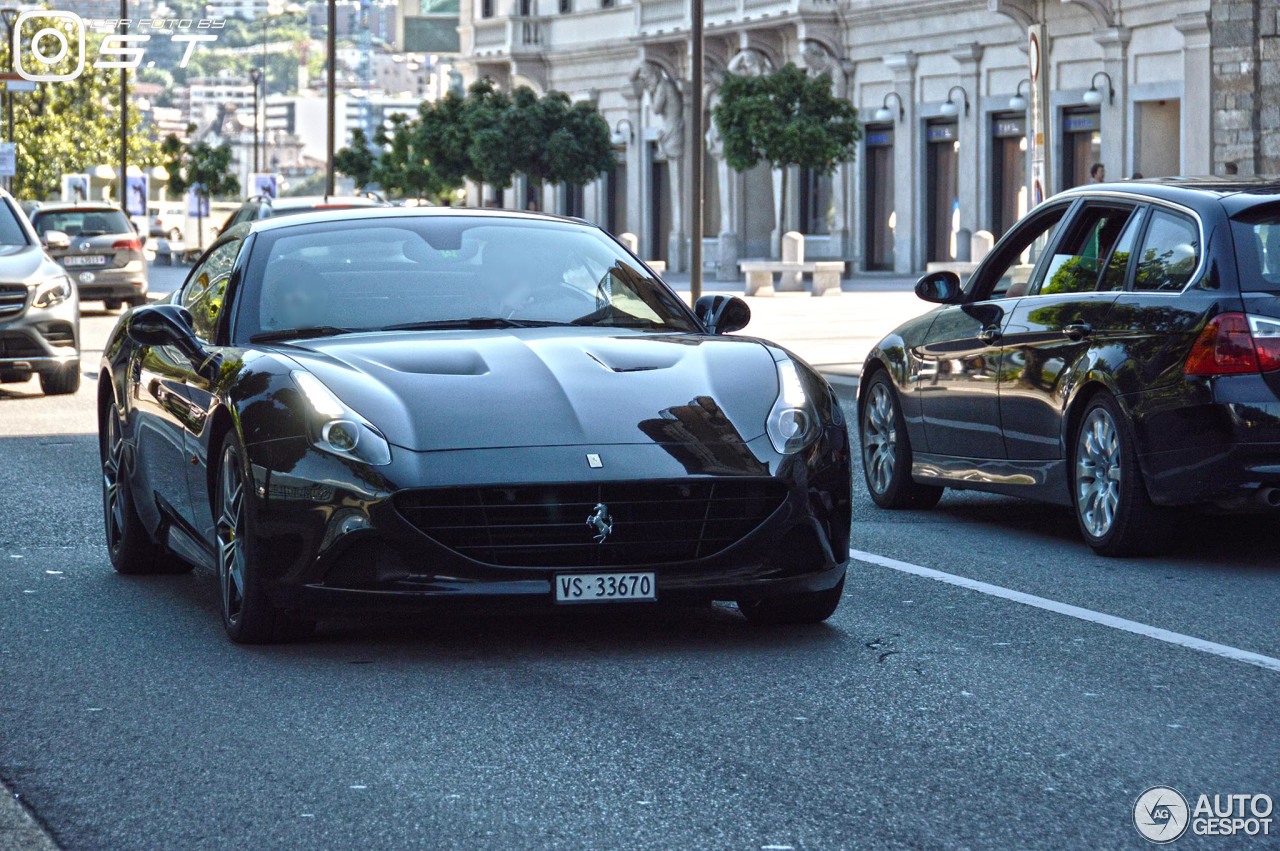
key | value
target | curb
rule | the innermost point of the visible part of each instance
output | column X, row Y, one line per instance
column 19, row 831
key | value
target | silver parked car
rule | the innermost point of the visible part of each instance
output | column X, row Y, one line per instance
column 39, row 307
column 104, row 255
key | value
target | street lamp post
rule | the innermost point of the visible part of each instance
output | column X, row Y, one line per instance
column 695, row 172
column 255, row 77
column 332, row 44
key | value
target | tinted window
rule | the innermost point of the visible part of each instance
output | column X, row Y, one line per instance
column 11, row 230
column 1078, row 259
column 380, row 272
column 206, row 292
column 1013, row 260
column 1257, row 238
column 81, row 222
column 1170, row 253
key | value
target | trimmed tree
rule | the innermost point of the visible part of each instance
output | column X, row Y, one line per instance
column 440, row 138
column 357, row 161
column 786, row 118
column 494, row 155
column 202, row 168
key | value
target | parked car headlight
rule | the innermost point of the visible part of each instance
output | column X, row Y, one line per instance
column 336, row 429
column 56, row 290
column 793, row 422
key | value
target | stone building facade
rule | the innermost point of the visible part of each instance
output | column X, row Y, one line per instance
column 1141, row 86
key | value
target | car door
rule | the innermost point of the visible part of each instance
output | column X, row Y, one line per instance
column 1063, row 315
column 205, row 295
column 958, row 364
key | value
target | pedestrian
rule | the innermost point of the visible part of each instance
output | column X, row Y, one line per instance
column 1098, row 173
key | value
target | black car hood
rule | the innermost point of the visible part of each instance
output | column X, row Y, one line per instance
column 547, row 386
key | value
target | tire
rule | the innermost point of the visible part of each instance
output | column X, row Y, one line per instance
column 791, row 609
column 112, row 303
column 886, row 451
column 1113, row 510
column 130, row 546
column 247, row 612
column 174, row 235
column 63, row 381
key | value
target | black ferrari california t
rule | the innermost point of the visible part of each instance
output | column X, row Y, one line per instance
column 393, row 408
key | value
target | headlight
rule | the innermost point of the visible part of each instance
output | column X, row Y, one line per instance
column 336, row 428
column 793, row 422
column 53, row 291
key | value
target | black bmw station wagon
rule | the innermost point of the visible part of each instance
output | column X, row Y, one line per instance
column 1117, row 352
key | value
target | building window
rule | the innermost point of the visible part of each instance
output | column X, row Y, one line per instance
column 817, row 210
column 566, row 6
column 486, row 8
column 607, row 4
column 526, row 8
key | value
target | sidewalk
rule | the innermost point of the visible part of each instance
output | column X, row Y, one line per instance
column 833, row 333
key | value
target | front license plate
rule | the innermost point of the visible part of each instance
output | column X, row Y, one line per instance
column 84, row 260
column 604, row 587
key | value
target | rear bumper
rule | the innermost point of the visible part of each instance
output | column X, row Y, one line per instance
column 113, row 286
column 1220, row 452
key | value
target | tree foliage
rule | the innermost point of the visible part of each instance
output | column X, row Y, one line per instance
column 356, row 160
column 490, row 136
column 201, row 167
column 70, row 126
column 786, row 118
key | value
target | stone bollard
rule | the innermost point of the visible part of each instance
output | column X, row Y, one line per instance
column 792, row 252
column 964, row 245
column 631, row 241
column 983, row 240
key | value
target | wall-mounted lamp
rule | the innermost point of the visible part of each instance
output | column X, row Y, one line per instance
column 1093, row 97
column 951, row 108
column 621, row 136
column 885, row 114
column 1019, row 100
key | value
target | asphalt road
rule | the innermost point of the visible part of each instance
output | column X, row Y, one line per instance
column 922, row 715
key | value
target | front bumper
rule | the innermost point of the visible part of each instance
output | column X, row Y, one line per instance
column 356, row 550
column 40, row 339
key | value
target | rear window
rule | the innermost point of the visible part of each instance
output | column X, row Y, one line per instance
column 81, row 222
column 1257, row 238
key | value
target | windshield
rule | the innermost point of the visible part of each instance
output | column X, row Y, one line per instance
column 1257, row 238
column 443, row 270
column 81, row 222
column 11, row 230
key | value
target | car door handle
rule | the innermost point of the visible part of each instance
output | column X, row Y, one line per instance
column 1077, row 330
column 990, row 336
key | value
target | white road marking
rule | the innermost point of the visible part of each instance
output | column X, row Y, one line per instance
column 1190, row 642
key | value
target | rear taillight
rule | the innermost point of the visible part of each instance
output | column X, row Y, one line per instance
column 126, row 245
column 1234, row 344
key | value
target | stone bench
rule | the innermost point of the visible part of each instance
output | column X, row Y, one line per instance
column 825, row 275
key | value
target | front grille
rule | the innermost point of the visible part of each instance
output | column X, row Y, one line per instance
column 16, row 345
column 13, row 297
column 58, row 333
column 546, row 525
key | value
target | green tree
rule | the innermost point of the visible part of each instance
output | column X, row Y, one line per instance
column 401, row 170
column 440, row 136
column 67, row 127
column 201, row 167
column 357, row 161
column 786, row 118
column 578, row 148
column 487, row 120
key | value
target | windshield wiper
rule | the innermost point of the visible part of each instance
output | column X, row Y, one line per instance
column 473, row 322
column 299, row 333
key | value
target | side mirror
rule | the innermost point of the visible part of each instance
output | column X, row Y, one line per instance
column 164, row 325
column 56, row 239
column 939, row 288
column 722, row 314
